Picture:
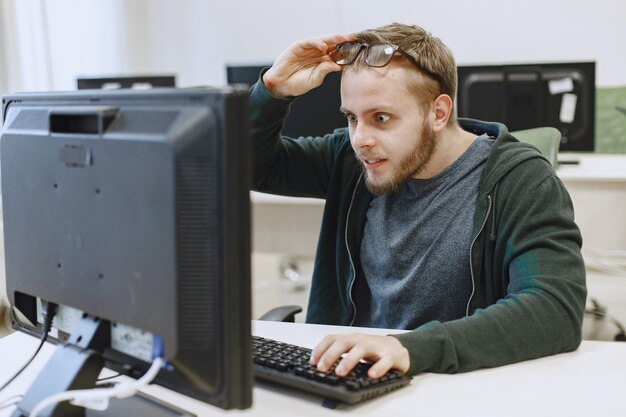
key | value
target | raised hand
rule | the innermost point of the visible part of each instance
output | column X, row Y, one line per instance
column 303, row 66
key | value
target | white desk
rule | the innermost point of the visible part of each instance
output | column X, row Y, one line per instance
column 593, row 167
column 597, row 185
column 587, row 382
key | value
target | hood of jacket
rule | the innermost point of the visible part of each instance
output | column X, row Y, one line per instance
column 507, row 152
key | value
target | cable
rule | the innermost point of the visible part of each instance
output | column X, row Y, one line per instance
column 98, row 398
column 107, row 378
column 49, row 311
column 11, row 401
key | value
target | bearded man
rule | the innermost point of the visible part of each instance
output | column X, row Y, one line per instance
column 450, row 228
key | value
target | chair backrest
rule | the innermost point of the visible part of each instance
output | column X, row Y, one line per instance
column 546, row 139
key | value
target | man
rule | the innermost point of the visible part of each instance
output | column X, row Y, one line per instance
column 449, row 228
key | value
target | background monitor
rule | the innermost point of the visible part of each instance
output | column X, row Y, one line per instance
column 131, row 211
column 315, row 113
column 524, row 96
column 137, row 82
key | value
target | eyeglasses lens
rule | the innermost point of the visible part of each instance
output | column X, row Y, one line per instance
column 347, row 52
column 376, row 54
column 379, row 54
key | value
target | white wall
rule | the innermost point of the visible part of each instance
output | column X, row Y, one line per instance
column 196, row 38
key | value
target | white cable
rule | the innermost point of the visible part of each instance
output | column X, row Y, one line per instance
column 8, row 402
column 98, row 398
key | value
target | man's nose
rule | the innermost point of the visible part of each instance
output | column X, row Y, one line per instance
column 362, row 137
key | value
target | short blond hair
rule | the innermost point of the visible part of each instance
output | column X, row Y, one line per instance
column 428, row 51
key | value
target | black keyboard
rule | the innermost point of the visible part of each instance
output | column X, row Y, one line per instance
column 289, row 365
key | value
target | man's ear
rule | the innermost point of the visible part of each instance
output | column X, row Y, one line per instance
column 442, row 107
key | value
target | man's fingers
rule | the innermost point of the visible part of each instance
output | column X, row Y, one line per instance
column 385, row 352
column 335, row 40
column 380, row 368
column 350, row 360
column 321, row 347
column 325, row 44
column 333, row 353
column 303, row 66
column 328, row 42
column 312, row 43
column 322, row 70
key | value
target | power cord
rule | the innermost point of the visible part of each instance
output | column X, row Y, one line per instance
column 103, row 380
column 11, row 401
column 49, row 311
column 94, row 398
column 98, row 398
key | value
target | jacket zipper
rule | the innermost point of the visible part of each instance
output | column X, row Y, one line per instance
column 482, row 226
column 492, row 232
column 350, row 255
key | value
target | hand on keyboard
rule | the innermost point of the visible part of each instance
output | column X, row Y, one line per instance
column 290, row 365
column 385, row 352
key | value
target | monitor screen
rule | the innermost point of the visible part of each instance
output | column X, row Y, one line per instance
column 523, row 96
column 130, row 209
column 315, row 113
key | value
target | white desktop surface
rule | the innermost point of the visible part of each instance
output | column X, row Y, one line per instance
column 593, row 168
column 590, row 381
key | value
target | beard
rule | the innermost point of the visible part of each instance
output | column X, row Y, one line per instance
column 410, row 165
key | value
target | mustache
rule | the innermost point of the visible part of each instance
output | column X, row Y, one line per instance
column 370, row 156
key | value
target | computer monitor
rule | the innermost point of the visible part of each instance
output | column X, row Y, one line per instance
column 130, row 210
column 313, row 114
column 524, row 96
column 135, row 81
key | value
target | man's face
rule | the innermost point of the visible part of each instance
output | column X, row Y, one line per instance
column 389, row 132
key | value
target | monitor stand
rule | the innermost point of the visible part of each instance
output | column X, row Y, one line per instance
column 140, row 404
column 76, row 364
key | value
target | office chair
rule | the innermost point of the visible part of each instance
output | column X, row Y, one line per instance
column 286, row 313
column 546, row 139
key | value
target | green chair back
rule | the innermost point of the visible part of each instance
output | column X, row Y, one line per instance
column 546, row 139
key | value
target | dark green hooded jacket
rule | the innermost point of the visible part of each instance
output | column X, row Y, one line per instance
column 528, row 274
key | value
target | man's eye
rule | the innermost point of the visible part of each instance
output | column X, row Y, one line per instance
column 382, row 117
column 351, row 118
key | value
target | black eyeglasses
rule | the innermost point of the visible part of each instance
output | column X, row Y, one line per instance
column 377, row 54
